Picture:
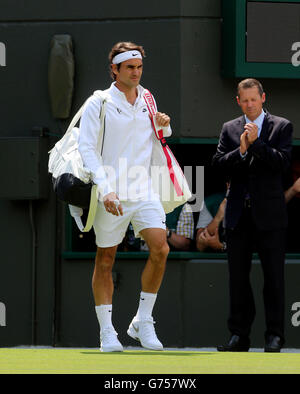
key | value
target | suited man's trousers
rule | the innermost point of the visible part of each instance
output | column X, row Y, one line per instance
column 242, row 242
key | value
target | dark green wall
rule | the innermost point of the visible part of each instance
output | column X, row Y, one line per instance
column 183, row 44
column 25, row 76
column 191, row 310
column 182, row 39
column 208, row 100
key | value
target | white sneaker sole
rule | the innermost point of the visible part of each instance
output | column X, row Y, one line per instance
column 109, row 349
column 134, row 335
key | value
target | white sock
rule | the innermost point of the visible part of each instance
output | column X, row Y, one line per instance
column 147, row 301
column 104, row 313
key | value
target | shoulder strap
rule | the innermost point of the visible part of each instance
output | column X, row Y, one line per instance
column 77, row 116
column 92, row 210
column 93, row 200
column 103, row 97
column 159, row 135
column 152, row 111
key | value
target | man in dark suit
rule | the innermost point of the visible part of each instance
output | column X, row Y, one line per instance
column 254, row 150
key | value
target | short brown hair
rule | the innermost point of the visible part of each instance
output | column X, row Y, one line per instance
column 121, row 47
column 250, row 83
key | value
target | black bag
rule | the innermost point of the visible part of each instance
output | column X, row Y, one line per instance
column 72, row 190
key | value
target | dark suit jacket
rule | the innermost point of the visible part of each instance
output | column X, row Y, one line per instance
column 260, row 175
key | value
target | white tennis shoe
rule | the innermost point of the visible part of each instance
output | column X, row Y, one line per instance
column 109, row 341
column 143, row 331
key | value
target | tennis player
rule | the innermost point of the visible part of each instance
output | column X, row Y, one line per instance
column 122, row 174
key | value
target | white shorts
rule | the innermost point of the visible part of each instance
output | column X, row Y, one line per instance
column 110, row 229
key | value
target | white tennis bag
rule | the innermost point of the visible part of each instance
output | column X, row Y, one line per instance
column 168, row 180
column 72, row 181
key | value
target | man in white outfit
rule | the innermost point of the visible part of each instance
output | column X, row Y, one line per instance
column 121, row 172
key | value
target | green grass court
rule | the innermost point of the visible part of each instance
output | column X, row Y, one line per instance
column 92, row 361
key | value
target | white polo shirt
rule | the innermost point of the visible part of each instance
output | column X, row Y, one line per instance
column 123, row 166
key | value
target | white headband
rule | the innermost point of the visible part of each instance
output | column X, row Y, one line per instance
column 122, row 57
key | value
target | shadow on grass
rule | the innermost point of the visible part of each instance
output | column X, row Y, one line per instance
column 149, row 353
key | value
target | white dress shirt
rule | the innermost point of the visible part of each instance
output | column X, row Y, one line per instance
column 259, row 122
